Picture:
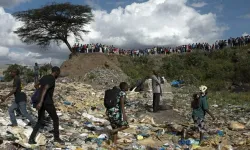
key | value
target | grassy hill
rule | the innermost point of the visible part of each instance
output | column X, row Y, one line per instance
column 222, row 71
column 218, row 69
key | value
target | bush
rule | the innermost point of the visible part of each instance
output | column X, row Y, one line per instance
column 225, row 98
column 45, row 69
column 25, row 73
column 217, row 70
column 137, row 67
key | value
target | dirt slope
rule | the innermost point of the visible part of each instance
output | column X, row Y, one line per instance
column 100, row 70
column 82, row 64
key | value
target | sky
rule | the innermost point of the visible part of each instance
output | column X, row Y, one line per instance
column 130, row 24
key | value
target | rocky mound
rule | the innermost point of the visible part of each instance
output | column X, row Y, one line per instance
column 97, row 69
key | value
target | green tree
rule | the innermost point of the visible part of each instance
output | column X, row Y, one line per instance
column 53, row 23
column 44, row 69
column 6, row 73
column 25, row 73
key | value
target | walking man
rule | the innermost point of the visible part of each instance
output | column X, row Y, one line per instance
column 156, row 89
column 45, row 103
column 20, row 100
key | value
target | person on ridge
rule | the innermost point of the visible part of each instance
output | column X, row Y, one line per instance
column 45, row 103
column 20, row 100
column 200, row 108
column 117, row 115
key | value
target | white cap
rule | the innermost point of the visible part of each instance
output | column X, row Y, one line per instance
column 203, row 88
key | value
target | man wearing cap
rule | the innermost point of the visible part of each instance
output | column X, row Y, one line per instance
column 46, row 103
column 200, row 111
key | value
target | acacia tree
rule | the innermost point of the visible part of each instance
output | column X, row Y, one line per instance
column 53, row 23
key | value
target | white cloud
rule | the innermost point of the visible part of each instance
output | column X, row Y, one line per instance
column 245, row 34
column 7, row 25
column 3, row 51
column 199, row 4
column 155, row 22
column 30, row 58
column 23, row 53
column 10, row 3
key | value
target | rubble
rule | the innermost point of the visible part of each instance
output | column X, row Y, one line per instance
column 236, row 126
column 105, row 77
column 84, row 125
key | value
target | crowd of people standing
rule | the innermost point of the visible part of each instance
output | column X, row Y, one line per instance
column 110, row 49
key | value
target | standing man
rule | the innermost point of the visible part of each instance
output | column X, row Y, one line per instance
column 45, row 103
column 20, row 100
column 156, row 89
column 36, row 72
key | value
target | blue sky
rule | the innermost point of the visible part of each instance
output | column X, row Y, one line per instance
column 131, row 24
column 232, row 13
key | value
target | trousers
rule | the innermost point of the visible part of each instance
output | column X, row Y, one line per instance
column 50, row 108
column 22, row 107
column 156, row 101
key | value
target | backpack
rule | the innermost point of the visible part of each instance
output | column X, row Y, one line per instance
column 110, row 97
column 35, row 98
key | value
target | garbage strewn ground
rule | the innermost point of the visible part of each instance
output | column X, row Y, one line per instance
column 84, row 125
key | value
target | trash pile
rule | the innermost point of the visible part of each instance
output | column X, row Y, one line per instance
column 84, row 125
column 105, row 77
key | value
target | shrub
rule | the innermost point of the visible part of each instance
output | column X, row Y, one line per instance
column 136, row 68
column 216, row 70
column 25, row 73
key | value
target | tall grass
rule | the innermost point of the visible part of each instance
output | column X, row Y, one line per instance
column 218, row 70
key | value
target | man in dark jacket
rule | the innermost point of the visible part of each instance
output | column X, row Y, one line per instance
column 46, row 103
